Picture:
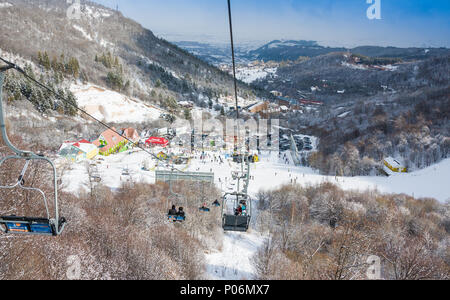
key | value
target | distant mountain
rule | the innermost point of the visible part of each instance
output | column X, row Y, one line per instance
column 342, row 76
column 292, row 50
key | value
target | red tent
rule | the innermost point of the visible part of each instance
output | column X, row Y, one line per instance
column 157, row 141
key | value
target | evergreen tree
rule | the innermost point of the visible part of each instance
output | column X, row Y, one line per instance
column 187, row 114
column 46, row 61
column 72, row 105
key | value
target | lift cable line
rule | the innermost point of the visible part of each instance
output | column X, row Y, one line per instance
column 239, row 220
column 233, row 58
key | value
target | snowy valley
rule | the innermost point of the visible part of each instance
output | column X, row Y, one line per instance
column 341, row 155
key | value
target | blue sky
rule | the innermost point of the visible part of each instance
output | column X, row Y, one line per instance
column 332, row 22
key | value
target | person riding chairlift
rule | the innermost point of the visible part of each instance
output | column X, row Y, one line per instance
column 204, row 208
column 244, row 209
column 173, row 211
column 181, row 213
column 238, row 211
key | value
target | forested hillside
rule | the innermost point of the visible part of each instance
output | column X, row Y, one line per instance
column 104, row 48
column 373, row 109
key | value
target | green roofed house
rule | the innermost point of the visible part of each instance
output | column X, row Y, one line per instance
column 78, row 151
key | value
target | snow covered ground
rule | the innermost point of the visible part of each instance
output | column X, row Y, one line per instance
column 5, row 4
column 233, row 261
column 251, row 74
column 110, row 106
column 270, row 173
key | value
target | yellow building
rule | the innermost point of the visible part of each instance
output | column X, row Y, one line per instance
column 394, row 165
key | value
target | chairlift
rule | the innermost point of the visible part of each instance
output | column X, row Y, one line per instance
column 176, row 217
column 96, row 178
column 204, row 208
column 28, row 225
column 231, row 220
column 125, row 172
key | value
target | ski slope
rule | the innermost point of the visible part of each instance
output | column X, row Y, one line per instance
column 234, row 260
column 112, row 107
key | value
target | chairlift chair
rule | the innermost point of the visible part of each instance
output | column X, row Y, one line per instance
column 204, row 208
column 232, row 221
column 177, row 218
column 28, row 225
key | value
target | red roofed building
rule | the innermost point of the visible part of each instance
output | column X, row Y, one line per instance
column 110, row 142
column 157, row 141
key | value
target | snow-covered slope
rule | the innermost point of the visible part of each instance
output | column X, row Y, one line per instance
column 271, row 173
column 234, row 260
column 112, row 107
column 251, row 74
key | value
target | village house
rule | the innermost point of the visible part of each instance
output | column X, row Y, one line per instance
column 131, row 134
column 277, row 94
column 186, row 104
column 260, row 107
column 110, row 142
column 78, row 151
column 283, row 102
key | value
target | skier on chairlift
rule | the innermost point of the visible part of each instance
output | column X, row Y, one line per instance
column 204, row 208
column 239, row 211
column 173, row 211
column 181, row 213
